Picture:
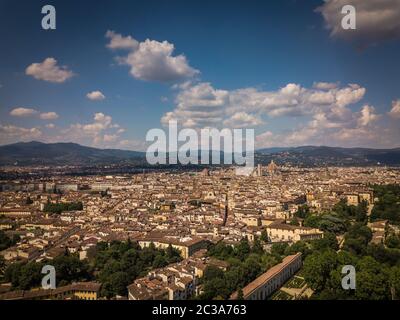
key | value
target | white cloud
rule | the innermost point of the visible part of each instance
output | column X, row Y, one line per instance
column 48, row 115
column 110, row 137
column 395, row 111
column 242, row 120
column 101, row 132
column 50, row 126
column 48, row 70
column 321, row 115
column 376, row 20
column 117, row 41
column 368, row 116
column 325, row 85
column 96, row 95
column 23, row 112
column 29, row 112
column 349, row 95
column 358, row 129
column 132, row 145
column 152, row 60
column 12, row 134
column 201, row 105
column 322, row 98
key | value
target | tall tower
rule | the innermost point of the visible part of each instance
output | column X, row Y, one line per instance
column 259, row 172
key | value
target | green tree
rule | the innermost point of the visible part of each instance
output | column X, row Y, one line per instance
column 240, row 295
column 243, row 249
column 393, row 241
column 257, row 246
column 264, row 236
column 279, row 249
column 372, row 280
column 303, row 212
column 159, row 262
column 317, row 268
column 394, row 282
column 328, row 241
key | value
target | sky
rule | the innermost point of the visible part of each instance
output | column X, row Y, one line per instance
column 112, row 70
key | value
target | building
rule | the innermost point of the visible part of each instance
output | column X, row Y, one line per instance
column 74, row 291
column 15, row 212
column 278, row 232
column 187, row 245
column 270, row 281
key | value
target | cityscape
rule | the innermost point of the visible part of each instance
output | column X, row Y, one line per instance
column 315, row 214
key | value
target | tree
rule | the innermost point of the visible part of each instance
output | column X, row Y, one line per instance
column 69, row 268
column 388, row 205
column 6, row 241
column 30, row 276
column 393, row 241
column 257, row 246
column 317, row 268
column 372, row 280
column 159, row 262
column 312, row 221
column 264, row 236
column 212, row 272
column 328, row 241
column 2, row 265
column 279, row 249
column 116, row 284
column 394, row 281
column 357, row 239
column 240, row 295
column 243, row 249
column 302, row 212
column 362, row 212
column 299, row 246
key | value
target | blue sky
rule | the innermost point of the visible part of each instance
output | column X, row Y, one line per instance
column 274, row 66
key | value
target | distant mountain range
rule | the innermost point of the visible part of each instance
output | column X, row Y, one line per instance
column 319, row 155
column 38, row 153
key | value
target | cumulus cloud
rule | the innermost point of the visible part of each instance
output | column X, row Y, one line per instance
column 352, row 94
column 242, row 120
column 12, row 134
column 48, row 70
column 96, row 95
column 23, row 112
column 325, row 85
column 29, row 112
column 368, row 116
column 48, row 115
column 321, row 115
column 101, row 132
column 50, row 126
column 117, row 41
column 358, row 129
column 152, row 60
column 201, row 105
column 395, row 111
column 376, row 20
